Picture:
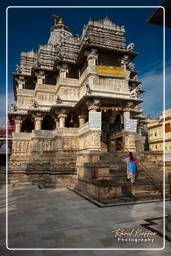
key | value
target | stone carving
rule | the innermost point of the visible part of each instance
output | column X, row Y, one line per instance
column 12, row 107
column 88, row 90
column 109, row 83
column 124, row 60
column 131, row 66
column 18, row 69
column 130, row 46
column 135, row 92
column 130, row 104
column 34, row 103
column 93, row 54
column 58, row 99
column 135, row 78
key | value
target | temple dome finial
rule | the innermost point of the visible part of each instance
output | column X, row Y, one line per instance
column 60, row 21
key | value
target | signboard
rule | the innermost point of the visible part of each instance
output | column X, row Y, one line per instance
column 131, row 125
column 110, row 71
column 95, row 120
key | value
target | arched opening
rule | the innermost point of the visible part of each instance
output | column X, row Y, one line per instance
column 48, row 123
column 27, row 125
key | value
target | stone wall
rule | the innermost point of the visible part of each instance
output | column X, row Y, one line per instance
column 89, row 139
column 45, row 152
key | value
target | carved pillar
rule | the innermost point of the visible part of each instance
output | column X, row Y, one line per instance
column 63, row 70
column 139, row 130
column 81, row 120
column 62, row 118
column 21, row 82
column 92, row 57
column 18, row 123
column 41, row 77
column 93, row 106
column 57, row 122
column 38, row 123
column 124, row 61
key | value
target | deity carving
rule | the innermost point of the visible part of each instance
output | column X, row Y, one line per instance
column 12, row 107
column 131, row 66
column 34, row 103
column 130, row 46
column 135, row 92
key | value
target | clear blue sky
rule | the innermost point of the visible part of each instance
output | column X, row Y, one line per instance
column 29, row 27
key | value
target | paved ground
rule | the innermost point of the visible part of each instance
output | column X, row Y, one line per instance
column 59, row 218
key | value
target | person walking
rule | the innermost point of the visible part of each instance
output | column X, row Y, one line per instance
column 131, row 168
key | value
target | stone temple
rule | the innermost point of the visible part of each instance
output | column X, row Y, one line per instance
column 76, row 98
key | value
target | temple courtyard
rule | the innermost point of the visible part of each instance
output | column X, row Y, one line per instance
column 60, row 218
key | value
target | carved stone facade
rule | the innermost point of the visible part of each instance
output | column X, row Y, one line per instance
column 57, row 87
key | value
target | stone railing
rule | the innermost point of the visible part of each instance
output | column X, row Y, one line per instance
column 21, row 136
column 67, row 131
column 21, row 143
column 89, row 70
column 84, row 128
column 45, row 87
column 68, row 81
column 25, row 92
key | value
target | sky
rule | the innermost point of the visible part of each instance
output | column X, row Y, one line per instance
column 29, row 27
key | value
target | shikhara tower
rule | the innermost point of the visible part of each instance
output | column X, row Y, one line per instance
column 75, row 95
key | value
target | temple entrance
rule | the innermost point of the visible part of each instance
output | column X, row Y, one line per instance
column 112, row 125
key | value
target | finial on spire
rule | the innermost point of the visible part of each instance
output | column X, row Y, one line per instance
column 55, row 18
column 60, row 21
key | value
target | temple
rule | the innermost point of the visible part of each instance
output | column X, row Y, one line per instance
column 75, row 97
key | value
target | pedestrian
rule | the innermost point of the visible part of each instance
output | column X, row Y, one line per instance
column 131, row 168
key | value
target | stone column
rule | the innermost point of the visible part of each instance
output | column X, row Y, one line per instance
column 21, row 82
column 63, row 70
column 62, row 118
column 38, row 123
column 124, row 61
column 18, row 123
column 81, row 120
column 57, row 122
column 139, row 130
column 40, row 77
column 92, row 57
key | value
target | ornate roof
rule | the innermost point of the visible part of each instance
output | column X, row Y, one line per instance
column 63, row 46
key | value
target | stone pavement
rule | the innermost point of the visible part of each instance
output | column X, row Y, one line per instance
column 60, row 218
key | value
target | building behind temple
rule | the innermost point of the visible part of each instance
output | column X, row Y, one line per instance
column 75, row 95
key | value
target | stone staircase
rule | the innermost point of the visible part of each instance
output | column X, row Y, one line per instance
column 149, row 182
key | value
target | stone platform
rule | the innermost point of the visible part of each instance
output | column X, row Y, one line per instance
column 102, row 177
